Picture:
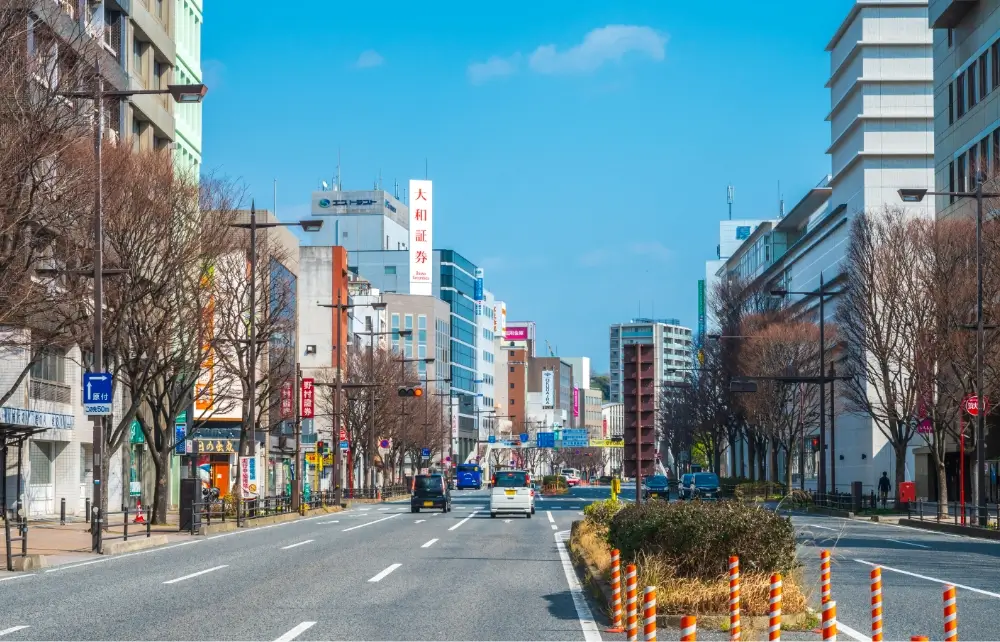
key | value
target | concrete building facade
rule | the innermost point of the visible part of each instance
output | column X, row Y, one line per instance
column 188, row 18
column 673, row 346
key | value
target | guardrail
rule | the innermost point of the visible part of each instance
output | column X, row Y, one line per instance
column 21, row 523
column 954, row 513
column 139, row 529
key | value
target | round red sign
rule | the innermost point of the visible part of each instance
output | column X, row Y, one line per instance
column 971, row 404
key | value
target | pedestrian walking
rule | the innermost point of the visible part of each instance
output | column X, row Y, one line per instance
column 884, row 486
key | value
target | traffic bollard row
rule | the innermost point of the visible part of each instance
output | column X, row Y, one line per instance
column 734, row 599
column 689, row 628
column 830, row 620
column 950, row 614
column 824, row 576
column 649, row 614
column 774, row 609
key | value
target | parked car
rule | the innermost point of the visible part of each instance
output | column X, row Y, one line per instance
column 687, row 483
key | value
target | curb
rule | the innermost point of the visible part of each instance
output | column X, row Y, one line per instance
column 137, row 544
column 30, row 562
column 230, row 525
column 967, row 531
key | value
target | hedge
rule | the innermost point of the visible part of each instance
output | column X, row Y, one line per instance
column 697, row 538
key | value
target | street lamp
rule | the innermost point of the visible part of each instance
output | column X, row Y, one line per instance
column 821, row 294
column 427, row 405
column 338, row 493
column 181, row 93
column 916, row 195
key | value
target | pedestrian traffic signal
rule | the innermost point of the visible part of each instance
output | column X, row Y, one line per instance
column 323, row 448
column 411, row 391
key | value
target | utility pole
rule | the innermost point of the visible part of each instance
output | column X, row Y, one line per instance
column 337, row 491
column 100, row 494
column 297, row 467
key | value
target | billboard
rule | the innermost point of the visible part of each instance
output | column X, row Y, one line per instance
column 480, row 295
column 421, row 239
column 576, row 402
column 548, row 389
column 516, row 333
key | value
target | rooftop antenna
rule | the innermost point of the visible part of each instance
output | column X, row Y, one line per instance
column 395, row 189
column 730, row 196
column 324, row 185
column 425, row 168
column 338, row 182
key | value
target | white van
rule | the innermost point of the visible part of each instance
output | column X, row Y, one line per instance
column 512, row 493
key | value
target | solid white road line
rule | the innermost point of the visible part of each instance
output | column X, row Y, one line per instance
column 860, row 637
column 548, row 513
column 471, row 515
column 825, row 528
column 12, row 629
column 146, row 552
column 383, row 574
column 590, row 631
column 364, row 509
column 420, row 521
column 929, row 579
column 296, row 632
column 429, row 544
column 187, row 577
column 899, row 541
column 374, row 521
column 336, row 521
column 285, row 548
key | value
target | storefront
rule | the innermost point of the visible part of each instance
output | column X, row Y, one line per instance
column 36, row 445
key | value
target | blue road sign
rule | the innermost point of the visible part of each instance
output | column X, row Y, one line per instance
column 493, row 439
column 97, row 399
column 546, row 439
column 425, row 452
column 574, row 438
column 524, row 437
column 344, row 445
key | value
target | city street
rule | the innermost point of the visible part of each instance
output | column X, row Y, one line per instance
column 371, row 573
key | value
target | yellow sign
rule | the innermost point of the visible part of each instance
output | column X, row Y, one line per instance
column 607, row 443
column 616, row 486
column 327, row 461
column 216, row 445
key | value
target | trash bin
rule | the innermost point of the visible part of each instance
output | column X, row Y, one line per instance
column 907, row 492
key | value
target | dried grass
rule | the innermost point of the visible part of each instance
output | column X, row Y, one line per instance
column 686, row 596
column 589, row 541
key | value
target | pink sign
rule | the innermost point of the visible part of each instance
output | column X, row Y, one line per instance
column 576, row 402
column 516, row 334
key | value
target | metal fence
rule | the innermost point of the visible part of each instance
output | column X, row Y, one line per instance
column 104, row 528
column 955, row 513
column 20, row 525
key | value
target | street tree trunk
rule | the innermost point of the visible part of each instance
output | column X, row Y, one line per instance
column 900, row 450
column 161, row 465
column 752, row 456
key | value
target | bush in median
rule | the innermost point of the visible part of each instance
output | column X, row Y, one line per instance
column 601, row 512
column 697, row 538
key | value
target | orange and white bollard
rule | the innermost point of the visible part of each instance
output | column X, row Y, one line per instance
column 649, row 614
column 631, row 604
column 734, row 598
column 830, row 620
column 774, row 609
column 919, row 638
column 616, row 593
column 824, row 576
column 950, row 614
column 689, row 628
column 876, row 577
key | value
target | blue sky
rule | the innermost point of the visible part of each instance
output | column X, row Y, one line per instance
column 580, row 150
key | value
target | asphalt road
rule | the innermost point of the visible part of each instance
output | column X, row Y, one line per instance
column 370, row 573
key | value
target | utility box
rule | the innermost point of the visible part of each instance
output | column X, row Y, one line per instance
column 857, row 496
column 190, row 514
column 907, row 492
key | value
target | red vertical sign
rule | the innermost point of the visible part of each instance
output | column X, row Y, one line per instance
column 308, row 400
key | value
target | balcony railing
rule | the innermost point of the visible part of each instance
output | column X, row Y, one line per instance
column 49, row 391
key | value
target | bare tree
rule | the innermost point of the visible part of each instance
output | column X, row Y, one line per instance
column 881, row 314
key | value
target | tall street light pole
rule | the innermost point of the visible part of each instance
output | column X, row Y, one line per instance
column 253, row 225
column 182, row 94
column 821, row 294
column 916, row 195
column 371, row 413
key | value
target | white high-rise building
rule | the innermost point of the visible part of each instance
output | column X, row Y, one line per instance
column 672, row 344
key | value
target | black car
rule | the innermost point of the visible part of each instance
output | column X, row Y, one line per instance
column 430, row 491
column 655, row 487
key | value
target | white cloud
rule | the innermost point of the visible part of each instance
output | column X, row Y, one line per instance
column 600, row 46
column 651, row 249
column 606, row 44
column 495, row 67
column 369, row 59
column 596, row 258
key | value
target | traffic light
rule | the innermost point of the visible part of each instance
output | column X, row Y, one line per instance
column 411, row 391
column 815, row 444
column 323, row 448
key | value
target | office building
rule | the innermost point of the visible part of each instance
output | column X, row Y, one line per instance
column 672, row 344
column 613, row 427
column 187, row 71
column 731, row 236
column 485, row 356
column 966, row 37
column 362, row 221
column 552, row 379
column 589, row 416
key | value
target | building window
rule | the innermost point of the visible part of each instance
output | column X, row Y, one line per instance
column 951, row 104
column 512, row 370
column 511, row 386
column 996, row 152
column 50, row 366
column 971, row 81
column 512, row 401
column 951, row 37
column 951, row 179
column 960, row 176
column 390, row 269
column 137, row 57
column 960, row 95
column 40, row 457
column 983, row 77
column 984, row 155
column 995, row 63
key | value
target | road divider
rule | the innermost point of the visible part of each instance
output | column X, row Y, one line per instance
column 774, row 609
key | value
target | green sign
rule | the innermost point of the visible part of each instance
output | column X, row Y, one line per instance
column 135, row 434
column 701, row 309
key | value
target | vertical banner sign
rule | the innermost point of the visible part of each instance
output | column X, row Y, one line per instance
column 701, row 309
column 479, row 292
column 496, row 318
column 421, row 244
column 287, row 400
column 576, row 402
column 548, row 389
column 204, row 388
column 248, row 475
column 503, row 318
column 308, row 399
column 454, row 418
column 604, row 428
column 180, row 433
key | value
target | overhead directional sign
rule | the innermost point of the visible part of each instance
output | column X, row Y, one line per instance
column 574, row 438
column 545, row 439
column 97, row 393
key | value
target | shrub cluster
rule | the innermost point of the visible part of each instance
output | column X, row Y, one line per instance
column 749, row 490
column 601, row 513
column 697, row 538
column 554, row 481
